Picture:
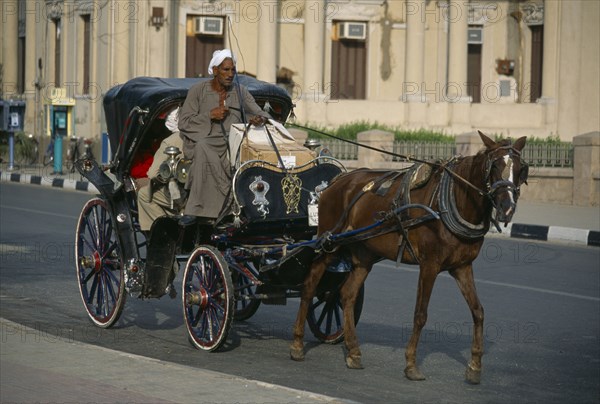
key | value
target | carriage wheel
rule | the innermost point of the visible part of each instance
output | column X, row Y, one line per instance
column 208, row 302
column 245, row 305
column 100, row 269
column 326, row 315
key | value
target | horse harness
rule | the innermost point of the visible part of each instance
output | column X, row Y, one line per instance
column 415, row 177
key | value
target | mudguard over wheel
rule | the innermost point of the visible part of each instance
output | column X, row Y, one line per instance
column 326, row 315
column 100, row 270
column 208, row 302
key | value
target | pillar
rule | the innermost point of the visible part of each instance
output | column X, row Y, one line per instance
column 571, row 37
column 415, row 50
column 314, row 48
column 458, row 48
column 550, row 69
column 120, row 43
column 267, row 42
column 586, row 170
column 10, row 21
column 33, row 112
column 378, row 139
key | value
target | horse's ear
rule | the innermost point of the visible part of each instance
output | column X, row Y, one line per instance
column 520, row 143
column 489, row 143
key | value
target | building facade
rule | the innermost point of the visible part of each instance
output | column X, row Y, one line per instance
column 506, row 67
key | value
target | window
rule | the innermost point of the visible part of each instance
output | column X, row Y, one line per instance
column 21, row 49
column 537, row 56
column 475, row 41
column 86, row 52
column 349, row 65
column 199, row 49
column 57, row 52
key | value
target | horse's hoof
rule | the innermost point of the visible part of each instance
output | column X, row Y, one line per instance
column 473, row 376
column 297, row 354
column 414, row 374
column 354, row 362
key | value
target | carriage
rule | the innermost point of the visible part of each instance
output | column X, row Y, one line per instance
column 229, row 268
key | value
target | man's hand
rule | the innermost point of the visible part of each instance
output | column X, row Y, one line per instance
column 258, row 120
column 219, row 113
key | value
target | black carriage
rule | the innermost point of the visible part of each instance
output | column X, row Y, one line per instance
column 229, row 268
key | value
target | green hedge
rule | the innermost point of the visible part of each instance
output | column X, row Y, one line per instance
column 350, row 130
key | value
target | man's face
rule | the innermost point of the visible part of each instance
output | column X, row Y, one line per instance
column 224, row 73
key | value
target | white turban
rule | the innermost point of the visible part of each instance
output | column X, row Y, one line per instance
column 218, row 57
column 172, row 120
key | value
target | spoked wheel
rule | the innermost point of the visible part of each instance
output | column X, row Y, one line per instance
column 208, row 303
column 326, row 315
column 245, row 305
column 100, row 269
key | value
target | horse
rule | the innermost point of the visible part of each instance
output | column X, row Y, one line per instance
column 464, row 191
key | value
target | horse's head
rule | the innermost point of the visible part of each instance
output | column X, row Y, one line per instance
column 505, row 172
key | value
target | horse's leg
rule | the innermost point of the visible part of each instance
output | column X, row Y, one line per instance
column 348, row 295
column 427, row 275
column 466, row 284
column 308, row 292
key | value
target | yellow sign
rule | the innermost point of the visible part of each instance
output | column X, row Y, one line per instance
column 58, row 96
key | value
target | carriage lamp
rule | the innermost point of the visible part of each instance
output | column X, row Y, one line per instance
column 312, row 144
column 182, row 169
column 168, row 167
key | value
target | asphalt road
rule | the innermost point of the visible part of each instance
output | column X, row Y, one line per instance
column 542, row 305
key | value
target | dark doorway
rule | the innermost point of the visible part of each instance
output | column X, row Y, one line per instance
column 537, row 57
column 348, row 70
column 474, row 72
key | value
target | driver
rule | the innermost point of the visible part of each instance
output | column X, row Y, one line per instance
column 206, row 116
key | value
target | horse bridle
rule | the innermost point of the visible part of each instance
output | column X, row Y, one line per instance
column 492, row 188
column 504, row 182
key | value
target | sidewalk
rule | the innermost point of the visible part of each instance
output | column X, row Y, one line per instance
column 559, row 223
column 39, row 367
column 536, row 221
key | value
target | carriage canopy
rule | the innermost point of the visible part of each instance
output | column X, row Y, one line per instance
column 156, row 94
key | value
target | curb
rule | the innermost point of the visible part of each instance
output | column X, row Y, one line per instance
column 549, row 233
column 65, row 183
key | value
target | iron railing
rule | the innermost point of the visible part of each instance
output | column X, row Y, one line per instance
column 549, row 154
column 341, row 150
column 428, row 151
column 558, row 154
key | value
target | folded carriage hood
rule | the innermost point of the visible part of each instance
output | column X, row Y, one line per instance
column 152, row 92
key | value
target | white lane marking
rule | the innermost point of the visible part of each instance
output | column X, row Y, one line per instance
column 508, row 285
column 41, row 212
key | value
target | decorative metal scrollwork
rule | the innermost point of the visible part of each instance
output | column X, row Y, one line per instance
column 291, row 186
column 260, row 188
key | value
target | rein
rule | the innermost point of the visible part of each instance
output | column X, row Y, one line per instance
column 443, row 166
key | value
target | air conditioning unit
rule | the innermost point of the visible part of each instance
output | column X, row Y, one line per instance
column 475, row 35
column 352, row 30
column 208, row 25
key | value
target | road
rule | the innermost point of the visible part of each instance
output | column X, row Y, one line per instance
column 542, row 307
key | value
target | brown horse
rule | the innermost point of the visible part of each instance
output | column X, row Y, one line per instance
column 464, row 192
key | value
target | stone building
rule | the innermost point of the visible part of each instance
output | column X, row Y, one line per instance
column 505, row 67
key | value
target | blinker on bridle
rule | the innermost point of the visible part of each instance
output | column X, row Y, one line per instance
column 504, row 181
